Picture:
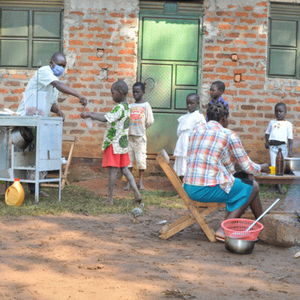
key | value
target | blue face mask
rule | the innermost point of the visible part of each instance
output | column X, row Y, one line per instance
column 58, row 70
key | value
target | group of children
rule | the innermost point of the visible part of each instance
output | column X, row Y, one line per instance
column 125, row 141
column 279, row 133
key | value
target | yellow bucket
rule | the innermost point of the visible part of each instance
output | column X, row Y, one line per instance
column 15, row 194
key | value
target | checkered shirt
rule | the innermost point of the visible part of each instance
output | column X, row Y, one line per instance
column 213, row 150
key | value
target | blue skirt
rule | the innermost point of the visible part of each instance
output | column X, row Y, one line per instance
column 236, row 198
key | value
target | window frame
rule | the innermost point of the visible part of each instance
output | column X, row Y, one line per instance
column 30, row 38
column 284, row 12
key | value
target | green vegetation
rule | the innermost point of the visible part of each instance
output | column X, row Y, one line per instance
column 80, row 201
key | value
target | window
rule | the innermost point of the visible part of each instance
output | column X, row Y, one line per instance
column 29, row 36
column 284, row 41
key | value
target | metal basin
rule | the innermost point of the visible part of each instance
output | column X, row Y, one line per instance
column 292, row 164
column 21, row 137
column 239, row 246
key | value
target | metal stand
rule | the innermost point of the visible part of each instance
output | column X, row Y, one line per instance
column 46, row 156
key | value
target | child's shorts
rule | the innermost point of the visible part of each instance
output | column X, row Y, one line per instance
column 137, row 149
column 109, row 159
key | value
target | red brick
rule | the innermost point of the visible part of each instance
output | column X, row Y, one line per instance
column 12, row 83
column 240, row 42
column 233, row 34
column 4, row 91
column 94, row 58
column 110, row 22
column 259, row 16
column 221, row 70
column 78, row 85
column 75, row 42
column 87, row 78
column 248, row 21
column 11, row 98
column 127, row 51
column 224, row 13
column 90, row 21
column 213, row 48
column 212, row 19
column 18, row 76
column 87, row 50
column 114, row 58
column 247, row 92
column 103, row 36
column 229, row 63
column 224, row 26
column 79, row 13
column 241, row 14
column 73, row 28
column 16, row 91
column 117, row 15
column 210, row 62
column 249, row 50
column 246, row 122
column 96, row 28
column 241, row 27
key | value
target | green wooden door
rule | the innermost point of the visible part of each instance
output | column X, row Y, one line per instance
column 169, row 57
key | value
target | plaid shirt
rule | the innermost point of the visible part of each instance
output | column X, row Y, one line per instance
column 212, row 152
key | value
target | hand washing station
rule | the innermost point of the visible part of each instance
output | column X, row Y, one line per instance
column 28, row 160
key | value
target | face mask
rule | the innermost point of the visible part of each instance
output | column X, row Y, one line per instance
column 58, row 70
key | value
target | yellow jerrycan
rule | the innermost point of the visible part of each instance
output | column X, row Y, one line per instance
column 15, row 194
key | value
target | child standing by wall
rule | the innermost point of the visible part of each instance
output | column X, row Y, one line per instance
column 115, row 143
column 141, row 118
column 186, row 124
column 279, row 134
column 216, row 91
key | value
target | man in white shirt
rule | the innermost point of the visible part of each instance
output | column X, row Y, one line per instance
column 40, row 96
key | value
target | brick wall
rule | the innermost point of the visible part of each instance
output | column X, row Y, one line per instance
column 239, row 27
column 230, row 27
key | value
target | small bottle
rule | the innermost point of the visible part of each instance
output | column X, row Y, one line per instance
column 15, row 194
column 279, row 163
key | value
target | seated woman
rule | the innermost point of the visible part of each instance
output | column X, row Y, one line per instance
column 212, row 154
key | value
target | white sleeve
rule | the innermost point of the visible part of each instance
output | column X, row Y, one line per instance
column 149, row 116
column 290, row 131
column 269, row 128
column 46, row 76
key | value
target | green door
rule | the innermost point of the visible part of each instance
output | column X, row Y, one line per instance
column 169, row 57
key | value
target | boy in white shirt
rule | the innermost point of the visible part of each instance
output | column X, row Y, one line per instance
column 279, row 134
column 141, row 118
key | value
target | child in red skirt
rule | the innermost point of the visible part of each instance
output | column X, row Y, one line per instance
column 115, row 144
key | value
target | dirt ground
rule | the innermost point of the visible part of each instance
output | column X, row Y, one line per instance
column 110, row 257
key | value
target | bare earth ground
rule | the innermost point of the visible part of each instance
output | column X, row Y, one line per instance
column 110, row 257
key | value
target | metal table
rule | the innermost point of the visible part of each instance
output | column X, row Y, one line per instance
column 45, row 155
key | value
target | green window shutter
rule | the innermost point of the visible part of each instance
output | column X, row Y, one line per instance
column 284, row 42
column 30, row 32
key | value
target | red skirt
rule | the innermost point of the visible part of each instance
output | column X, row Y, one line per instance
column 109, row 159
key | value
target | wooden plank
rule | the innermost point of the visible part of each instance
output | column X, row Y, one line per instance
column 273, row 179
column 169, row 230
